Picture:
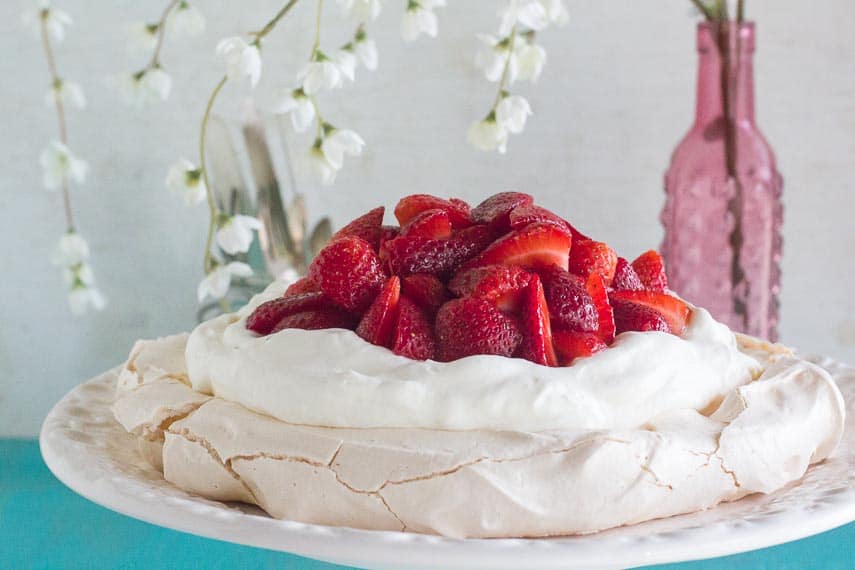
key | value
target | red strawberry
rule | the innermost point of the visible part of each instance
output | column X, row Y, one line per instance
column 413, row 333
column 675, row 311
column 406, row 255
column 496, row 209
column 302, row 285
column 570, row 305
column 521, row 216
column 462, row 207
column 367, row 227
column 377, row 323
column 535, row 246
column 501, row 284
column 631, row 316
column 329, row 318
column 574, row 344
column 426, row 290
column 626, row 279
column 537, row 332
column 410, row 206
column 470, row 326
column 591, row 256
column 348, row 272
column 651, row 270
column 388, row 233
column 265, row 316
column 605, row 317
column 433, row 224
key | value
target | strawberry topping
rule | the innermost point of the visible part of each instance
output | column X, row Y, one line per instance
column 507, row 278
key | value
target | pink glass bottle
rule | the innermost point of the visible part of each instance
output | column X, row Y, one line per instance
column 723, row 211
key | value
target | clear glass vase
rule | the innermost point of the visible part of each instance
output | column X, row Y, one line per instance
column 723, row 210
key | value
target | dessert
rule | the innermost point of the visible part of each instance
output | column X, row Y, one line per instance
column 475, row 372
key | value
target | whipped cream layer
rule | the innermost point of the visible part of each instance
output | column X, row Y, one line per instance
column 334, row 378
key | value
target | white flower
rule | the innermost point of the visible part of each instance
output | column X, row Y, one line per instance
column 186, row 20
column 340, row 142
column 529, row 13
column 512, row 112
column 59, row 163
column 55, row 21
column 321, row 166
column 235, row 233
column 419, row 19
column 366, row 51
column 82, row 297
column 346, row 62
column 362, row 10
column 186, row 179
column 488, row 134
column 556, row 11
column 216, row 283
column 69, row 92
column 145, row 87
column 241, row 59
column 142, row 37
column 492, row 57
column 530, row 61
column 299, row 106
column 71, row 249
column 319, row 74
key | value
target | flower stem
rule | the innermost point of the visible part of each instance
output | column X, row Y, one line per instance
column 319, row 120
column 503, row 80
column 317, row 41
column 703, row 9
column 212, row 206
column 56, row 82
column 272, row 23
column 209, row 263
column 161, row 33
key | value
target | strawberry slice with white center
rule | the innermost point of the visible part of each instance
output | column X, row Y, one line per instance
column 535, row 246
column 675, row 311
column 536, row 329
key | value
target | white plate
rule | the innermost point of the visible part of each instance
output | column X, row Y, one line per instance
column 88, row 451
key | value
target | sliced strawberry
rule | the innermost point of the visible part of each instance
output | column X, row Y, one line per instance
column 463, row 207
column 378, row 321
column 407, row 255
column 496, row 209
column 651, row 270
column 470, row 326
column 570, row 305
column 591, row 256
column 500, row 284
column 388, row 233
column 367, row 227
column 348, row 272
column 675, row 311
column 413, row 332
column 536, row 345
column 521, row 216
column 433, row 224
column 426, row 290
column 329, row 318
column 302, row 285
column 605, row 317
column 626, row 279
column 410, row 206
column 631, row 316
column 574, row 344
column 535, row 246
column 265, row 316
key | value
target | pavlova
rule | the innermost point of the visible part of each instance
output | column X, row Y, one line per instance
column 475, row 372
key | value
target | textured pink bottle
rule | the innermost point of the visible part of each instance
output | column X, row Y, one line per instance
column 723, row 211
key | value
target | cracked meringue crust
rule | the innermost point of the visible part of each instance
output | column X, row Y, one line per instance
column 745, row 435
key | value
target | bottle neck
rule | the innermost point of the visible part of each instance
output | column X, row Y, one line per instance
column 725, row 72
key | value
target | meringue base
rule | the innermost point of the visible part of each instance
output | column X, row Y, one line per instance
column 482, row 483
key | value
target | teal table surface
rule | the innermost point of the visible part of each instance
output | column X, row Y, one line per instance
column 45, row 525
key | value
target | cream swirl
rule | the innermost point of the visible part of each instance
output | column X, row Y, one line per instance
column 334, row 378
